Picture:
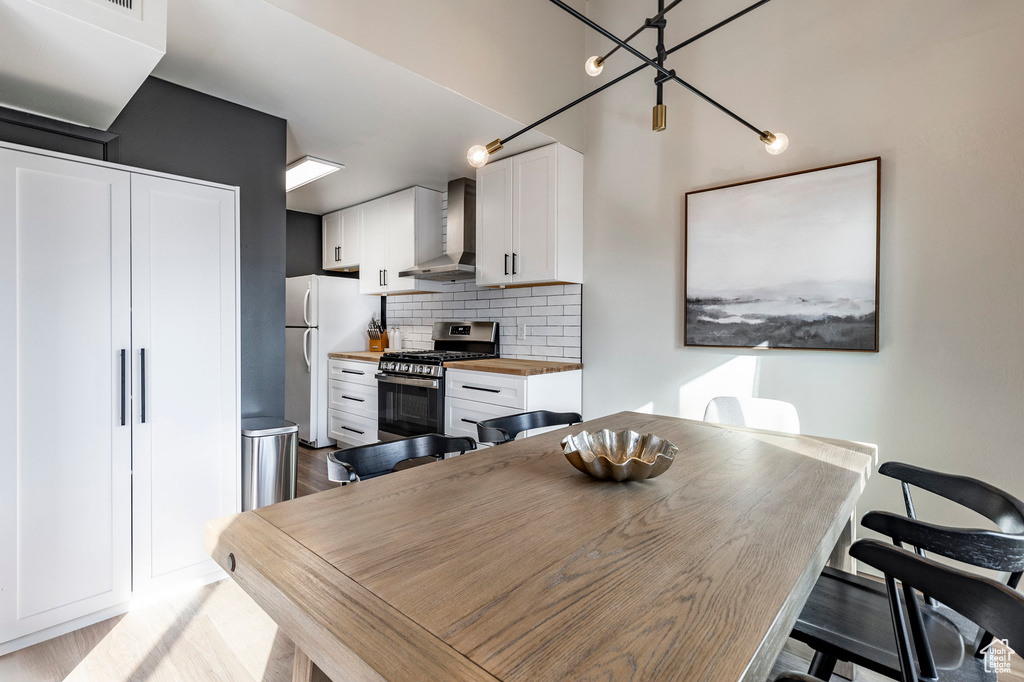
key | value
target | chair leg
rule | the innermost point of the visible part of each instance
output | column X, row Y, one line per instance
column 822, row 666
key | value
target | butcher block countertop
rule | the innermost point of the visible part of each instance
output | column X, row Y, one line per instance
column 362, row 355
column 522, row 368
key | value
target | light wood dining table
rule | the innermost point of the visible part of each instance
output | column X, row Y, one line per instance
column 507, row 563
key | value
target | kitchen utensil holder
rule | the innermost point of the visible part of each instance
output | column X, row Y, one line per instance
column 379, row 344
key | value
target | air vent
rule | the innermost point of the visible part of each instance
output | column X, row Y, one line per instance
column 132, row 8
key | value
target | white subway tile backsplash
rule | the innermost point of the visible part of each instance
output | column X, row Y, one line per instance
column 552, row 315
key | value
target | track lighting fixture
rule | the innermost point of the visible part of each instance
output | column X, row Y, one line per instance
column 775, row 143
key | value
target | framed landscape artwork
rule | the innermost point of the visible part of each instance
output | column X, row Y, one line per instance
column 785, row 262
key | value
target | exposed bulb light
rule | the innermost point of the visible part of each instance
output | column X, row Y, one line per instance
column 479, row 154
column 774, row 143
column 594, row 66
column 306, row 170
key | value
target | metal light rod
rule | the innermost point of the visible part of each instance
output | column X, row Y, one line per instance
column 638, row 69
column 661, row 69
column 634, row 34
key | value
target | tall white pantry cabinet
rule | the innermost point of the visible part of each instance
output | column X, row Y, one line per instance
column 119, row 387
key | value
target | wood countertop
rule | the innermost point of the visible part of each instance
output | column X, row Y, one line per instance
column 362, row 355
column 536, row 571
column 523, row 368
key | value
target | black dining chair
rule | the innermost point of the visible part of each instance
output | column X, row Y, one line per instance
column 368, row 461
column 993, row 606
column 505, row 429
column 847, row 616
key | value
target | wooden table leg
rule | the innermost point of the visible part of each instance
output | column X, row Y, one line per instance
column 302, row 669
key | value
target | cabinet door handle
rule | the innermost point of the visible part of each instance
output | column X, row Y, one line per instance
column 337, row 254
column 478, row 388
column 122, row 388
column 513, row 263
column 468, row 421
column 142, row 381
column 351, row 371
column 385, row 278
column 347, row 428
column 506, row 263
column 358, row 400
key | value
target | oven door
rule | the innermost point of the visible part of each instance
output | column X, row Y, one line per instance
column 409, row 406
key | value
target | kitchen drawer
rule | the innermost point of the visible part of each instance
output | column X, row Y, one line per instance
column 351, row 429
column 461, row 415
column 353, row 370
column 487, row 387
column 353, row 398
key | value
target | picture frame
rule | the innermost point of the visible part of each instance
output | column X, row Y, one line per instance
column 789, row 261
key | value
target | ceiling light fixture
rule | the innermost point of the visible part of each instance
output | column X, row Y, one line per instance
column 775, row 143
column 306, row 170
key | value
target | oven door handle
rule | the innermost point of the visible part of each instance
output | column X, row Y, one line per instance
column 408, row 381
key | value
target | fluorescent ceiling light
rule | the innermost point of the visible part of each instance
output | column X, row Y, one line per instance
column 306, row 170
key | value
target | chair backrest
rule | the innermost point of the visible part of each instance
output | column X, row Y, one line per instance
column 368, row 461
column 755, row 413
column 504, row 429
column 989, row 604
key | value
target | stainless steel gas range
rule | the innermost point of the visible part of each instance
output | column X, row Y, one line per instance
column 410, row 384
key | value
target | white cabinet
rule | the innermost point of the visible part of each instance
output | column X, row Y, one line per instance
column 399, row 231
column 117, row 462
column 184, row 431
column 475, row 396
column 341, row 239
column 529, row 218
column 352, row 401
column 65, row 316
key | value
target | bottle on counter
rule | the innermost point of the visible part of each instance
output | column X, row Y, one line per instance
column 395, row 338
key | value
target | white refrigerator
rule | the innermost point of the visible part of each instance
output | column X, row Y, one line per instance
column 322, row 315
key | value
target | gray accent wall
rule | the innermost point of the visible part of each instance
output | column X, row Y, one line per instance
column 172, row 129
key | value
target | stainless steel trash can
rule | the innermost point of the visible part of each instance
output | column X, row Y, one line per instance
column 269, row 461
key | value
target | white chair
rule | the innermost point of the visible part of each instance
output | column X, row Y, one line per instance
column 755, row 413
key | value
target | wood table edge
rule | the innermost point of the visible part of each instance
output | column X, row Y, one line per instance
column 834, row 543
column 303, row 586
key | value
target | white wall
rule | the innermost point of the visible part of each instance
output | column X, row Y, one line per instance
column 934, row 88
column 521, row 58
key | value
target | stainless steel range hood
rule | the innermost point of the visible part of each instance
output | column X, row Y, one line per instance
column 460, row 261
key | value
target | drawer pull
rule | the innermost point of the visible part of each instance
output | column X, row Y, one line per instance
column 468, row 421
column 479, row 388
column 349, row 428
column 352, row 371
column 359, row 400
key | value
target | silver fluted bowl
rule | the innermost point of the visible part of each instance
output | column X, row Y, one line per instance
column 619, row 455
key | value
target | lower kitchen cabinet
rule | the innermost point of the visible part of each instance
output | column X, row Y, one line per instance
column 471, row 397
column 118, row 387
column 352, row 396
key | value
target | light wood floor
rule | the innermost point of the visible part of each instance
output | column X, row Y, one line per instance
column 214, row 634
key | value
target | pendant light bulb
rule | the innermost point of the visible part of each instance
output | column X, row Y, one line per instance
column 477, row 156
column 594, row 66
column 775, row 143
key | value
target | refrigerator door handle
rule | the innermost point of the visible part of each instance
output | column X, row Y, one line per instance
column 305, row 352
column 305, row 306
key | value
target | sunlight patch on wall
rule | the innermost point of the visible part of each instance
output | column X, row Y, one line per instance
column 736, row 377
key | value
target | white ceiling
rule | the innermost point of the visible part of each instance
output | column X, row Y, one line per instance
column 390, row 127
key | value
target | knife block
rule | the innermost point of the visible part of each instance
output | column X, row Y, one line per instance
column 379, row 344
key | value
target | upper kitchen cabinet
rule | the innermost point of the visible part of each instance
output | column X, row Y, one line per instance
column 342, row 239
column 399, row 231
column 529, row 218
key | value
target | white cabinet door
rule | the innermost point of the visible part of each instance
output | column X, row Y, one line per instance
column 351, row 224
column 535, row 215
column 332, row 238
column 65, row 468
column 186, row 443
column 373, row 257
column 494, row 223
column 401, row 221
